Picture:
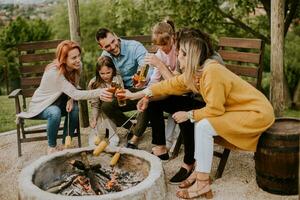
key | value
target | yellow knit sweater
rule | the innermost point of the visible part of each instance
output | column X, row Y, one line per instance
column 238, row 112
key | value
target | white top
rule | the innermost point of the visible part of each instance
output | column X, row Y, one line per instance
column 169, row 59
column 51, row 87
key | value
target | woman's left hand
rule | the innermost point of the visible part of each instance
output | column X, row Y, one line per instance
column 180, row 116
column 69, row 105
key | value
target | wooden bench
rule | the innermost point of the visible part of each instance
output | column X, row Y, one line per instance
column 145, row 40
column 33, row 58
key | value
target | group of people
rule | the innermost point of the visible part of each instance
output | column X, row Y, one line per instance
column 187, row 79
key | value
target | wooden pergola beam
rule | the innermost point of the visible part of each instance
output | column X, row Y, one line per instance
column 74, row 24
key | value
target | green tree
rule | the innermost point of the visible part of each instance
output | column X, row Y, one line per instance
column 16, row 32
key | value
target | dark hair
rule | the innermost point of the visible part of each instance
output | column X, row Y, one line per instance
column 102, row 33
column 203, row 38
column 103, row 61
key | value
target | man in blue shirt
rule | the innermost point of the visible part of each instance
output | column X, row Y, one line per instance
column 127, row 55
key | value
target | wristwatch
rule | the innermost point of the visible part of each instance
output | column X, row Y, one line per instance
column 191, row 116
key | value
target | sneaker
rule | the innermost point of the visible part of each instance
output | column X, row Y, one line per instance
column 114, row 140
column 180, row 176
column 131, row 145
column 51, row 150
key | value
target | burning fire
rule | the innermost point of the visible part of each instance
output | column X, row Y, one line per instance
column 111, row 183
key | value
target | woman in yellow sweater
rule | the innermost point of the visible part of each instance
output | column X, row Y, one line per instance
column 234, row 109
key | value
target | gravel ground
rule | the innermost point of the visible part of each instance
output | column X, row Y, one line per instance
column 238, row 181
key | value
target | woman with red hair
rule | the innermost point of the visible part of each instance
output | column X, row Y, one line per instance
column 57, row 94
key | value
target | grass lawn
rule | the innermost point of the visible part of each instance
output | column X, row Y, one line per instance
column 7, row 115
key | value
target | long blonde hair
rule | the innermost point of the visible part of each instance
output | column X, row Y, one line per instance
column 197, row 49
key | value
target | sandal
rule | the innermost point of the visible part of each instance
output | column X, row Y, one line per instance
column 199, row 188
column 190, row 181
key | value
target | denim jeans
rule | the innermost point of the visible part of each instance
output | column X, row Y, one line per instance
column 53, row 115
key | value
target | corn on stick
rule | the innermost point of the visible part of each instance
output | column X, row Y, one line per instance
column 97, row 140
column 115, row 159
column 68, row 142
column 101, row 146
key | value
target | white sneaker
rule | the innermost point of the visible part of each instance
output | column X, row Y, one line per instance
column 114, row 140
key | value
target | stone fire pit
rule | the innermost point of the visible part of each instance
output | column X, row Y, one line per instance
column 34, row 177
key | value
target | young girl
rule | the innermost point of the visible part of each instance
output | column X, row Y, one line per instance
column 55, row 96
column 234, row 109
column 106, row 73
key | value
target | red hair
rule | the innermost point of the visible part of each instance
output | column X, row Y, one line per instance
column 62, row 52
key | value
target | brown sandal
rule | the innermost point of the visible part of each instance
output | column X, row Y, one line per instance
column 190, row 181
column 199, row 188
column 187, row 182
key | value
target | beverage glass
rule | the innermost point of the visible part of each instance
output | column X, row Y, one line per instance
column 143, row 73
column 112, row 87
column 121, row 99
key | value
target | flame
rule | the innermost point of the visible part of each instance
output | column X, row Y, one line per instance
column 111, row 183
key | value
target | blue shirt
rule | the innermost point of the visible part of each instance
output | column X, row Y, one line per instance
column 131, row 56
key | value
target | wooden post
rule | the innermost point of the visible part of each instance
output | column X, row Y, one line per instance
column 74, row 23
column 277, row 45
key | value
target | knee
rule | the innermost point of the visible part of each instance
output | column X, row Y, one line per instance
column 54, row 113
column 108, row 107
column 201, row 129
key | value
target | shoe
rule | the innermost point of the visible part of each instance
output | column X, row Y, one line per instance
column 180, row 176
column 131, row 146
column 114, row 140
column 190, row 181
column 129, row 136
column 51, row 150
column 199, row 188
column 163, row 157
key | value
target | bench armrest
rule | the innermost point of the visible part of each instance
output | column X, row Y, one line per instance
column 15, row 93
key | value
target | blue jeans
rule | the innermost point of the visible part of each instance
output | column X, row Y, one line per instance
column 53, row 115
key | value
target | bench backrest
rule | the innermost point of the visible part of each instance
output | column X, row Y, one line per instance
column 33, row 58
column 243, row 56
column 145, row 40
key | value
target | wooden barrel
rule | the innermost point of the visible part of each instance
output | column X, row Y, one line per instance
column 277, row 157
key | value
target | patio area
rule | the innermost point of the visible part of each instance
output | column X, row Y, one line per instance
column 238, row 180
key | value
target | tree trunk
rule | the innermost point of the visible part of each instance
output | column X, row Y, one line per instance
column 286, row 93
column 277, row 40
column 296, row 98
column 74, row 23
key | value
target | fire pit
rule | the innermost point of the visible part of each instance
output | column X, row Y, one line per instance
column 77, row 174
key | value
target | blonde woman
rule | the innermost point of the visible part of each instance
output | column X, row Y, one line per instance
column 234, row 109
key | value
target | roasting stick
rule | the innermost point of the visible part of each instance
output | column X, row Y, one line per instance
column 103, row 144
column 68, row 139
column 117, row 155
